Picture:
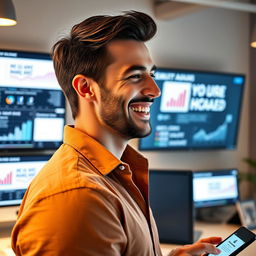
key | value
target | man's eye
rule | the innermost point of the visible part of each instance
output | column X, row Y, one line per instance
column 135, row 77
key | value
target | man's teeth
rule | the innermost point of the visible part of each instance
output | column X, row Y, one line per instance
column 141, row 109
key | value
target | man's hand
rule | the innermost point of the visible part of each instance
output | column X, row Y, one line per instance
column 205, row 245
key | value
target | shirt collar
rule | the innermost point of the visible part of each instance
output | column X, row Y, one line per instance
column 97, row 154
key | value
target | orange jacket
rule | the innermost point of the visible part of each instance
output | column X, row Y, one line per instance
column 87, row 202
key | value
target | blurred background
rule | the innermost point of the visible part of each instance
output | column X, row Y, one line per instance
column 205, row 38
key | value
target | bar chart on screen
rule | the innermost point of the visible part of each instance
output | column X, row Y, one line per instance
column 175, row 97
column 7, row 180
column 20, row 132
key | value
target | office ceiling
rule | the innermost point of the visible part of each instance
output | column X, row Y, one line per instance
column 171, row 9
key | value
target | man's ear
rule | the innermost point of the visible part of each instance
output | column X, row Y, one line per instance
column 83, row 86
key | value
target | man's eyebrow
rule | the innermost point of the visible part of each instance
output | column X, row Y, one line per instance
column 139, row 68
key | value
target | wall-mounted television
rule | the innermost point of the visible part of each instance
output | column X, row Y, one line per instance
column 32, row 105
column 196, row 110
column 16, row 173
column 215, row 188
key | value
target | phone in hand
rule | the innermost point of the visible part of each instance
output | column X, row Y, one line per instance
column 236, row 242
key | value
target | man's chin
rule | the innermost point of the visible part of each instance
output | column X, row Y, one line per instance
column 143, row 133
column 133, row 131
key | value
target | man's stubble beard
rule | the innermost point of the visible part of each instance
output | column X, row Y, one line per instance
column 113, row 114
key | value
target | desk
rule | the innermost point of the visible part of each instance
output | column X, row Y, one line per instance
column 208, row 229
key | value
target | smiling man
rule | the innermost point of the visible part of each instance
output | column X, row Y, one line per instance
column 91, row 198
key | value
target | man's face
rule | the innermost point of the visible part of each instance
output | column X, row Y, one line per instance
column 128, row 90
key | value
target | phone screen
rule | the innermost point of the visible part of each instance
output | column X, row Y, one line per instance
column 229, row 246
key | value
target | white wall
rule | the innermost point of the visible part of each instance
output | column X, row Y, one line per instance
column 212, row 39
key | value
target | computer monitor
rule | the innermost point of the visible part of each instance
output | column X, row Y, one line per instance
column 197, row 110
column 215, row 188
column 32, row 106
column 16, row 173
column 171, row 201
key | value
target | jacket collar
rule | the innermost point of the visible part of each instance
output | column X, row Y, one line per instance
column 97, row 154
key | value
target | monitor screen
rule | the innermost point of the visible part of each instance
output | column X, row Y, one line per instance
column 173, row 214
column 16, row 173
column 196, row 110
column 215, row 188
column 32, row 107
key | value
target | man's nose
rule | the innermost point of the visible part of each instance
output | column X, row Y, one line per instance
column 151, row 88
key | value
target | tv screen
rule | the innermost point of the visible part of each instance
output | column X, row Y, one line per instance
column 215, row 188
column 173, row 214
column 16, row 173
column 32, row 107
column 196, row 110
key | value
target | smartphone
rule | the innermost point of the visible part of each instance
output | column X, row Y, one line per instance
column 236, row 242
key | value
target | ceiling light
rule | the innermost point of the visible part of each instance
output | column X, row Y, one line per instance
column 7, row 13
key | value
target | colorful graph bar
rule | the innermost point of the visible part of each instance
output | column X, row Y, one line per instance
column 179, row 102
column 7, row 180
column 23, row 133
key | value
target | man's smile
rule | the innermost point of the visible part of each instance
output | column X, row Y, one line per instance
column 141, row 109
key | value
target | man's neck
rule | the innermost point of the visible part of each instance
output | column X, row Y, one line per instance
column 109, row 139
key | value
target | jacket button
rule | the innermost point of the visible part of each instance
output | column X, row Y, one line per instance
column 121, row 167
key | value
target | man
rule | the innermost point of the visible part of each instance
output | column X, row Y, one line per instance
column 91, row 198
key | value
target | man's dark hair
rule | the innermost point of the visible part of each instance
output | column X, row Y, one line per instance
column 84, row 51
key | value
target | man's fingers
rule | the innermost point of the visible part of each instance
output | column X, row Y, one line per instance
column 204, row 245
column 200, row 248
column 211, row 240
